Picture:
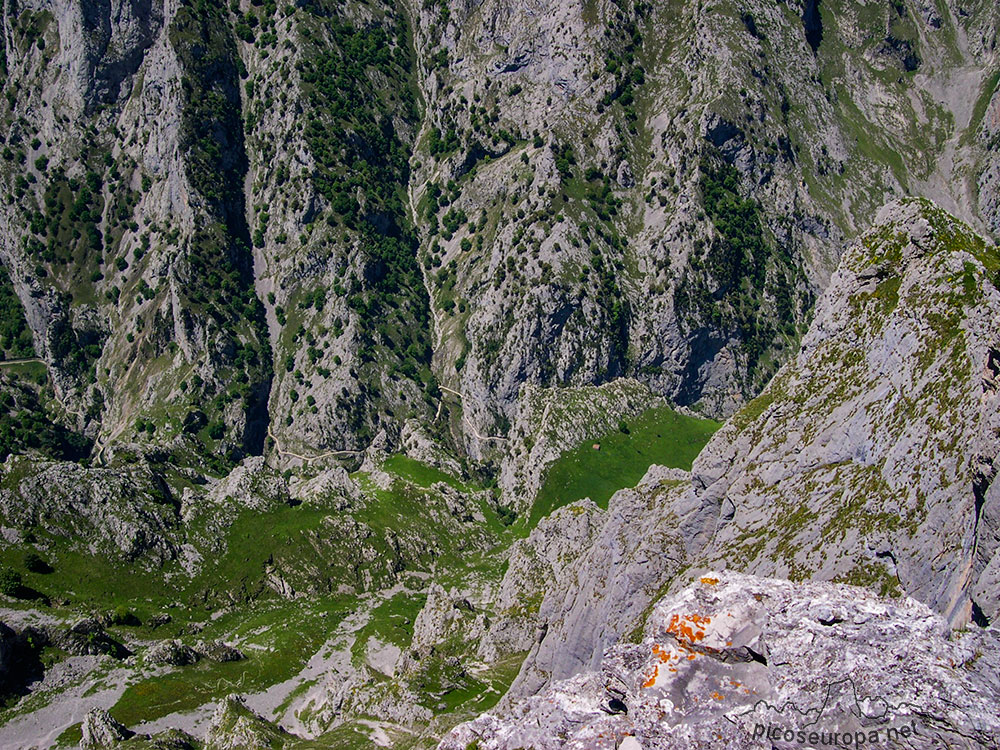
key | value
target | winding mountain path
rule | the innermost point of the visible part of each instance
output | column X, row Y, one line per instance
column 329, row 454
column 468, row 423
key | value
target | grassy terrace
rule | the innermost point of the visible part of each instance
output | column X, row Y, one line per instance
column 229, row 598
column 658, row 436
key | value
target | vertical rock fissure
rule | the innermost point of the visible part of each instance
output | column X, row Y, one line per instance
column 813, row 23
column 212, row 134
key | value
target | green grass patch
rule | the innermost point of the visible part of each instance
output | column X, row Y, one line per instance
column 290, row 537
column 282, row 651
column 390, row 622
column 446, row 688
column 657, row 436
column 71, row 737
column 421, row 474
column 36, row 372
column 979, row 110
column 93, row 581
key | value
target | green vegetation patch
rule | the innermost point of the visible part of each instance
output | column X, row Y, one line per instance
column 24, row 426
column 275, row 652
column 391, row 622
column 15, row 336
column 658, row 436
column 421, row 474
column 743, row 282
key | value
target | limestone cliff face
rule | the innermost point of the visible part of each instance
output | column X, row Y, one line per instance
column 232, row 221
column 123, row 220
column 869, row 459
column 184, row 223
column 659, row 191
column 253, row 241
column 606, row 587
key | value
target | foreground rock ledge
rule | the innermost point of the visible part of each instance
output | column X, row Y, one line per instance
column 739, row 661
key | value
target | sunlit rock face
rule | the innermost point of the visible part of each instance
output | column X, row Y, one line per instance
column 734, row 660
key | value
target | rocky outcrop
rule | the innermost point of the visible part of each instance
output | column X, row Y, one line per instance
column 737, row 660
column 602, row 581
column 173, row 653
column 538, row 566
column 236, row 727
column 870, row 458
column 126, row 514
column 88, row 637
column 102, row 732
column 218, row 651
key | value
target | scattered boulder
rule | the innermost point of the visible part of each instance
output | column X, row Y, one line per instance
column 173, row 653
column 158, row 621
column 193, row 628
column 218, row 651
column 236, row 727
column 87, row 637
column 102, row 732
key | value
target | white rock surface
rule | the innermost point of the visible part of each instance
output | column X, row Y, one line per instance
column 733, row 658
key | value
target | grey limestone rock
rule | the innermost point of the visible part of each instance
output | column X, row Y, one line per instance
column 236, row 727
column 218, row 651
column 102, row 732
column 87, row 637
column 735, row 660
column 871, row 456
column 174, row 653
column 868, row 460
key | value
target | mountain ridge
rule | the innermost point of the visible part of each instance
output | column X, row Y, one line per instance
column 334, row 332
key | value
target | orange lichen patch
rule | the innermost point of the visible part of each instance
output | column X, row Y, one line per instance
column 709, row 581
column 652, row 680
column 691, row 656
column 664, row 655
column 734, row 683
column 718, row 696
column 690, row 628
